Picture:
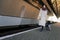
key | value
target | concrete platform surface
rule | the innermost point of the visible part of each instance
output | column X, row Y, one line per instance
column 54, row 34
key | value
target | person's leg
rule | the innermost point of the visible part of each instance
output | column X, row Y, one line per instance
column 47, row 27
column 42, row 28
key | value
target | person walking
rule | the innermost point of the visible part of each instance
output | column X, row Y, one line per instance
column 43, row 16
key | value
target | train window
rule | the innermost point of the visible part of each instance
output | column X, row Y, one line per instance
column 23, row 10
